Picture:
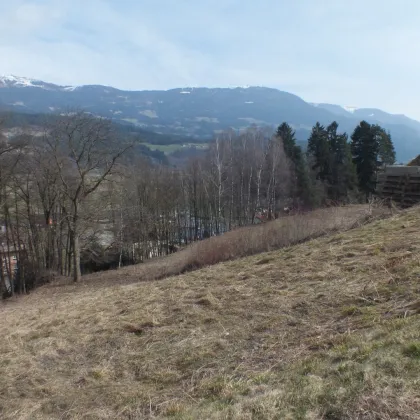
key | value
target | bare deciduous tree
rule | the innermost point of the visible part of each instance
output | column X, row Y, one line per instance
column 84, row 150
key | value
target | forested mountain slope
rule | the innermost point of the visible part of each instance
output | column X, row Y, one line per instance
column 202, row 112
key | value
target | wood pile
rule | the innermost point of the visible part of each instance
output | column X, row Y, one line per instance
column 401, row 184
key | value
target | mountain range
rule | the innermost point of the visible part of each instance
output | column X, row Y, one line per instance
column 199, row 113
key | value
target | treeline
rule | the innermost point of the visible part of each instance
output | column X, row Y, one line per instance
column 334, row 168
column 128, row 130
column 75, row 199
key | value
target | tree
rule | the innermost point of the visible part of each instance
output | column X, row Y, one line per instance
column 300, row 188
column 386, row 153
column 278, row 176
column 11, row 153
column 319, row 152
column 342, row 176
column 84, row 153
column 371, row 148
column 286, row 133
column 331, row 161
column 218, row 178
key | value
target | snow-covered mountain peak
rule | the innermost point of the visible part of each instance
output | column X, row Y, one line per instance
column 17, row 81
column 22, row 82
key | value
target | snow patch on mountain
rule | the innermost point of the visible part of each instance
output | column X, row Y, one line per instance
column 70, row 88
column 22, row 82
column 150, row 113
column 18, row 81
column 241, row 87
column 350, row 109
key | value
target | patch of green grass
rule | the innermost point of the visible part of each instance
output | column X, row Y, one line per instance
column 412, row 350
column 351, row 310
column 170, row 148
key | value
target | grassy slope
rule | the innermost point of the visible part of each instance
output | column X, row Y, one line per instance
column 326, row 329
column 243, row 242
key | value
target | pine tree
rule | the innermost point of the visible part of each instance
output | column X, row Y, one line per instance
column 386, row 153
column 331, row 160
column 301, row 188
column 370, row 146
column 342, row 177
column 319, row 152
column 286, row 133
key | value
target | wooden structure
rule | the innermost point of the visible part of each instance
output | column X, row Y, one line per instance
column 400, row 184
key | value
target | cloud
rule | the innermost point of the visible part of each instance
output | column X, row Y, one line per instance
column 355, row 53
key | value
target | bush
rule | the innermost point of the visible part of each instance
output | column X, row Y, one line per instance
column 256, row 239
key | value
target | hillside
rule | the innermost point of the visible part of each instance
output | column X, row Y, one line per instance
column 327, row 329
column 14, row 119
column 202, row 112
column 145, row 143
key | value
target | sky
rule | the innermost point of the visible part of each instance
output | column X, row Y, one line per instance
column 349, row 52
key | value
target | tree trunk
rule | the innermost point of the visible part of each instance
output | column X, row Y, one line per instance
column 5, row 284
column 121, row 232
column 248, row 205
column 77, row 275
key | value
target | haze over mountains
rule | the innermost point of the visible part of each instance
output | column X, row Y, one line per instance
column 202, row 112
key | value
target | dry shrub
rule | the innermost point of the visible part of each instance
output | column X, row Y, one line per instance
column 251, row 240
column 273, row 235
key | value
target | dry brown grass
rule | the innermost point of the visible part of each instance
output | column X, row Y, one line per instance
column 245, row 241
column 328, row 329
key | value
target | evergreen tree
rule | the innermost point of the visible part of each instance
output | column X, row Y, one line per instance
column 286, row 133
column 301, row 189
column 333, row 162
column 371, row 147
column 386, row 153
column 319, row 152
column 342, row 177
column 331, row 159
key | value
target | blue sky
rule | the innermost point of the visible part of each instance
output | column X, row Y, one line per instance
column 350, row 52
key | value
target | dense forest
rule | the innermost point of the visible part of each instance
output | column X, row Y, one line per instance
column 76, row 198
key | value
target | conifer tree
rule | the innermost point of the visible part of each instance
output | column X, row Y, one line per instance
column 386, row 153
column 342, row 177
column 301, row 188
column 331, row 160
column 371, row 148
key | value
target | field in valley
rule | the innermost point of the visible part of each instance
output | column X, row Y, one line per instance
column 324, row 329
column 170, row 148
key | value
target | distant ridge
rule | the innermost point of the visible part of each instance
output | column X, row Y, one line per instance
column 203, row 112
